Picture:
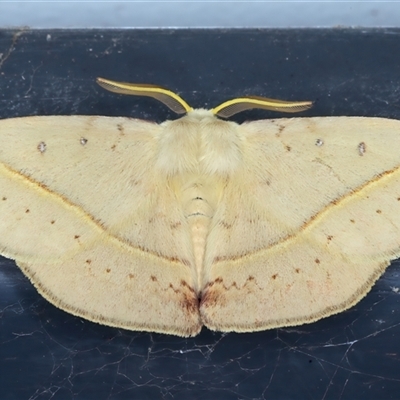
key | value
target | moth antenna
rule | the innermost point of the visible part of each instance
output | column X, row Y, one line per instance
column 234, row 106
column 169, row 98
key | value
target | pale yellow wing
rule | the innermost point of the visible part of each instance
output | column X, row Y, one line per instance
column 83, row 212
column 308, row 226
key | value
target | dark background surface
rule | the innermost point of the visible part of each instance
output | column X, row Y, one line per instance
column 46, row 353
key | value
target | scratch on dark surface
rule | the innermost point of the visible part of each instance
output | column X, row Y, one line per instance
column 4, row 56
column 32, row 76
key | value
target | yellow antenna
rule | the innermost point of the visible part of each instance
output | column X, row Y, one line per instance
column 170, row 99
column 234, row 106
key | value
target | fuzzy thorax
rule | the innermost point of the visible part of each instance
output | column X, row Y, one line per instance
column 199, row 142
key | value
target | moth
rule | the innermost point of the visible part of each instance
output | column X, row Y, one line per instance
column 199, row 220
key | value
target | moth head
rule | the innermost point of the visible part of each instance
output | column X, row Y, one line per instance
column 224, row 110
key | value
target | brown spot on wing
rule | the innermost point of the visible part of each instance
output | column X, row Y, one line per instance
column 190, row 303
column 42, row 147
column 362, row 149
column 225, row 225
column 212, row 283
column 213, row 293
column 187, row 286
column 280, row 129
column 175, row 225
column 120, row 128
column 225, row 258
column 171, row 286
column 177, row 260
column 265, row 182
column 210, row 298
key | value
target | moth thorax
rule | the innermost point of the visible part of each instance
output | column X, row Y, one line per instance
column 221, row 151
column 199, row 143
column 178, row 147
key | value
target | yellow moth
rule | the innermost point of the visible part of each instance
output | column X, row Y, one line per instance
column 200, row 221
